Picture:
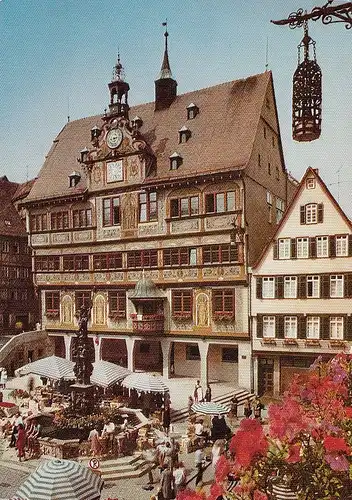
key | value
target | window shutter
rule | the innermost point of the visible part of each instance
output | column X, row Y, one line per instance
column 276, row 250
column 293, row 248
column 320, row 212
column 348, row 285
column 301, row 327
column 259, row 326
column 312, row 247
column 325, row 286
column 348, row 327
column 302, row 287
column 332, row 246
column 280, row 334
column 303, row 214
column 350, row 245
column 259, row 285
column 325, row 327
column 279, row 287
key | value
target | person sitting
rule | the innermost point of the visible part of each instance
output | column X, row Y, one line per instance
column 200, row 431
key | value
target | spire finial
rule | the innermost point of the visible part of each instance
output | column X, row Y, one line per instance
column 165, row 71
column 118, row 72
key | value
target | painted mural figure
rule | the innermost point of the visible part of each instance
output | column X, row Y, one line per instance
column 202, row 310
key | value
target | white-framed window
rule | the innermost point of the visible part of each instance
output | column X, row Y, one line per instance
column 268, row 326
column 268, row 288
column 336, row 285
column 290, row 327
column 313, row 287
column 341, row 246
column 280, row 207
column 313, row 327
column 336, row 327
column 310, row 183
column 269, row 200
column 322, row 246
column 302, row 248
column 284, row 248
column 311, row 213
column 290, row 287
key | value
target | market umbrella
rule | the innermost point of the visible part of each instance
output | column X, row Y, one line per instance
column 209, row 408
column 145, row 382
column 106, row 373
column 61, row 480
column 52, row 367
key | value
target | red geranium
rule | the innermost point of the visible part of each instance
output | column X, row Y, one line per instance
column 248, row 443
column 335, row 444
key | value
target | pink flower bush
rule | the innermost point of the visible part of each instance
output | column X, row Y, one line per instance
column 248, row 443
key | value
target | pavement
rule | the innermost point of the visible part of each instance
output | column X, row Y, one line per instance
column 13, row 473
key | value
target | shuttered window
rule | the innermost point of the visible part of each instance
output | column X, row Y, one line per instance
column 302, row 248
column 336, row 327
column 290, row 287
column 341, row 246
column 336, row 285
column 313, row 327
column 142, row 258
column 268, row 326
column 182, row 303
column 117, row 303
column 224, row 303
column 313, row 287
column 322, row 247
column 268, row 288
column 284, row 248
column 290, row 327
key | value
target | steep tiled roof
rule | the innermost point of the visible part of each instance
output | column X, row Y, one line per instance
column 10, row 221
column 222, row 135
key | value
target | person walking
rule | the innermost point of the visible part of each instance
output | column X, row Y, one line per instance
column 21, row 442
column 198, row 460
column 198, row 392
column 207, row 396
column 166, row 487
column 247, row 408
column 190, row 404
column 234, row 406
column 258, row 406
column 166, row 420
column 180, row 477
column 95, row 446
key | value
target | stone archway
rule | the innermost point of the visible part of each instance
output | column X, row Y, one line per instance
column 148, row 356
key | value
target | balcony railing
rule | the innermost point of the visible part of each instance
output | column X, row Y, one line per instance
column 147, row 324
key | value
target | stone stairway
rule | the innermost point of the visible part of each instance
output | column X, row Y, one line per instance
column 122, row 468
column 241, row 394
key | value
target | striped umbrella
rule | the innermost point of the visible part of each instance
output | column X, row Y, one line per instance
column 61, row 480
column 209, row 408
column 145, row 382
column 106, row 373
column 52, row 367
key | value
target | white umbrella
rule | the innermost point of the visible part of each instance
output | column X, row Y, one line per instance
column 145, row 382
column 106, row 373
column 51, row 367
column 61, row 480
column 210, row 408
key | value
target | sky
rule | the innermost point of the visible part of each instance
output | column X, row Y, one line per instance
column 57, row 56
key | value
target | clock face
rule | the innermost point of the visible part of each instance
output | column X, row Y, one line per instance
column 114, row 138
column 114, row 172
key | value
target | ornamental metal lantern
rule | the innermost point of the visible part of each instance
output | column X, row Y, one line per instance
column 307, row 93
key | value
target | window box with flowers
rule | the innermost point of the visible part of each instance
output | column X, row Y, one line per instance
column 268, row 341
column 337, row 344
column 117, row 315
column 312, row 343
column 181, row 315
column 223, row 316
column 52, row 314
column 288, row 341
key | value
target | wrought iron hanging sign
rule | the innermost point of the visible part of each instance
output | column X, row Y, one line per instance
column 307, row 93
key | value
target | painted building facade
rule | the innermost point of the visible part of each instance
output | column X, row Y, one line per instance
column 142, row 229
column 302, row 289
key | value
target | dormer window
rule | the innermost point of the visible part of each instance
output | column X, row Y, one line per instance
column 184, row 135
column 175, row 161
column 192, row 111
column 137, row 122
column 74, row 179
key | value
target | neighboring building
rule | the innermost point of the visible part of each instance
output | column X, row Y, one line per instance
column 302, row 288
column 17, row 299
column 142, row 230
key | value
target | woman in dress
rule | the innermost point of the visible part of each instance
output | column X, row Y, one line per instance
column 21, row 442
column 95, row 446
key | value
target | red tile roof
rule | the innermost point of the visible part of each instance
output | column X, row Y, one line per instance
column 10, row 221
column 222, row 135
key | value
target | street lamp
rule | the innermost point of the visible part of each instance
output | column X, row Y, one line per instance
column 307, row 93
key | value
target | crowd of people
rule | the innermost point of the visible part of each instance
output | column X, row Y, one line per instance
column 22, row 434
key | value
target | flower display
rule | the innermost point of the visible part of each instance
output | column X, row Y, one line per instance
column 306, row 446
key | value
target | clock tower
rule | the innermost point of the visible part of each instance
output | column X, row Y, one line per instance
column 118, row 89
